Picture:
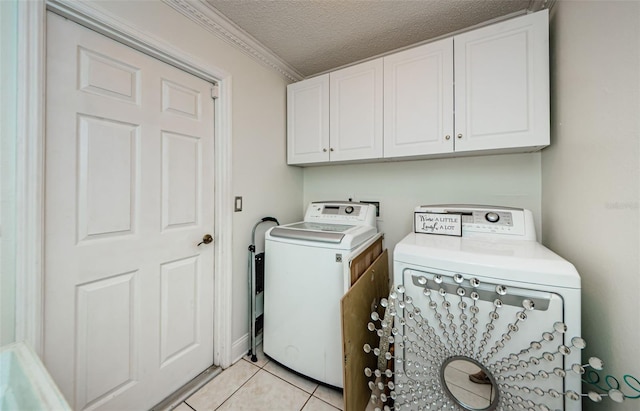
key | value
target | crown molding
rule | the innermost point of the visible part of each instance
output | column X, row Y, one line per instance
column 213, row 21
column 537, row 5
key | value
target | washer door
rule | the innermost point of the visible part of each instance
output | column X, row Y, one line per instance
column 478, row 345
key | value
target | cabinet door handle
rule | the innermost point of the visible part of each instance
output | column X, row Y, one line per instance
column 324, row 150
column 459, row 135
column 331, row 149
column 447, row 137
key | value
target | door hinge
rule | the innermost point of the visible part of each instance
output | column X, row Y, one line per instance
column 215, row 92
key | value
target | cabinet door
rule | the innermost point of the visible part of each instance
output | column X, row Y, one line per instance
column 308, row 121
column 502, row 85
column 418, row 100
column 356, row 112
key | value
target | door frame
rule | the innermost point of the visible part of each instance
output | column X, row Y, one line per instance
column 30, row 161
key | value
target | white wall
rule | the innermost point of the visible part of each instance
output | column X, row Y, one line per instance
column 260, row 173
column 590, row 174
column 8, row 74
column 509, row 180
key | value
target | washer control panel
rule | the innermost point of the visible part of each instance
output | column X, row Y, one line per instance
column 337, row 209
column 492, row 217
column 341, row 213
column 516, row 223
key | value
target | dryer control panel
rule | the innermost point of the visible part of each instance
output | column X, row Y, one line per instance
column 491, row 221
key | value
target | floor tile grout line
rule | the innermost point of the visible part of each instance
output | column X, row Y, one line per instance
column 319, row 399
column 328, row 403
column 255, row 364
column 239, row 388
column 236, row 390
column 325, row 401
column 305, row 403
column 312, row 394
column 262, row 367
column 292, row 384
column 185, row 403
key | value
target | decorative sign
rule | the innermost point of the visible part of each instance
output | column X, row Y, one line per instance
column 438, row 223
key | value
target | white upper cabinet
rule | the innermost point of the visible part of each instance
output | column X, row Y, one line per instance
column 308, row 121
column 356, row 112
column 502, row 85
column 418, row 100
column 483, row 91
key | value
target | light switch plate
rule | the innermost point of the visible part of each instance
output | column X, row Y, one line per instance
column 238, row 204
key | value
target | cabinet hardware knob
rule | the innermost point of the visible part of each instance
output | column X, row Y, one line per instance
column 324, row 150
column 459, row 135
column 447, row 137
column 331, row 149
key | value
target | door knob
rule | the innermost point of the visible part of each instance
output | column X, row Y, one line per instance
column 206, row 239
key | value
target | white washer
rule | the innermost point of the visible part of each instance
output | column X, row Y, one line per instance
column 498, row 247
column 306, row 275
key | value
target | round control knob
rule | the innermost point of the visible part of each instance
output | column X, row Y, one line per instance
column 348, row 209
column 492, row 217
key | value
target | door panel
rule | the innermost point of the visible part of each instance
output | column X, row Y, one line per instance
column 180, row 100
column 181, row 166
column 418, row 100
column 107, row 76
column 502, row 85
column 96, row 347
column 129, row 195
column 356, row 111
column 179, row 321
column 108, row 160
column 308, row 121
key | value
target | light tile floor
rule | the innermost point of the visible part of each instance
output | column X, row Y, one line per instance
column 263, row 385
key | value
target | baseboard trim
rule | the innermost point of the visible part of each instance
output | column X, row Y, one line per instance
column 240, row 348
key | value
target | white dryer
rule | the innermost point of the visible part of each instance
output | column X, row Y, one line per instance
column 494, row 298
column 306, row 275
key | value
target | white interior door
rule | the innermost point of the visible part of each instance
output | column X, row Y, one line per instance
column 129, row 195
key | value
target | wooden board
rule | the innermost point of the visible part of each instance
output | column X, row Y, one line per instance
column 363, row 261
column 357, row 305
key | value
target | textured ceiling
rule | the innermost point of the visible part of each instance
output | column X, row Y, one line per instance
column 314, row 36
